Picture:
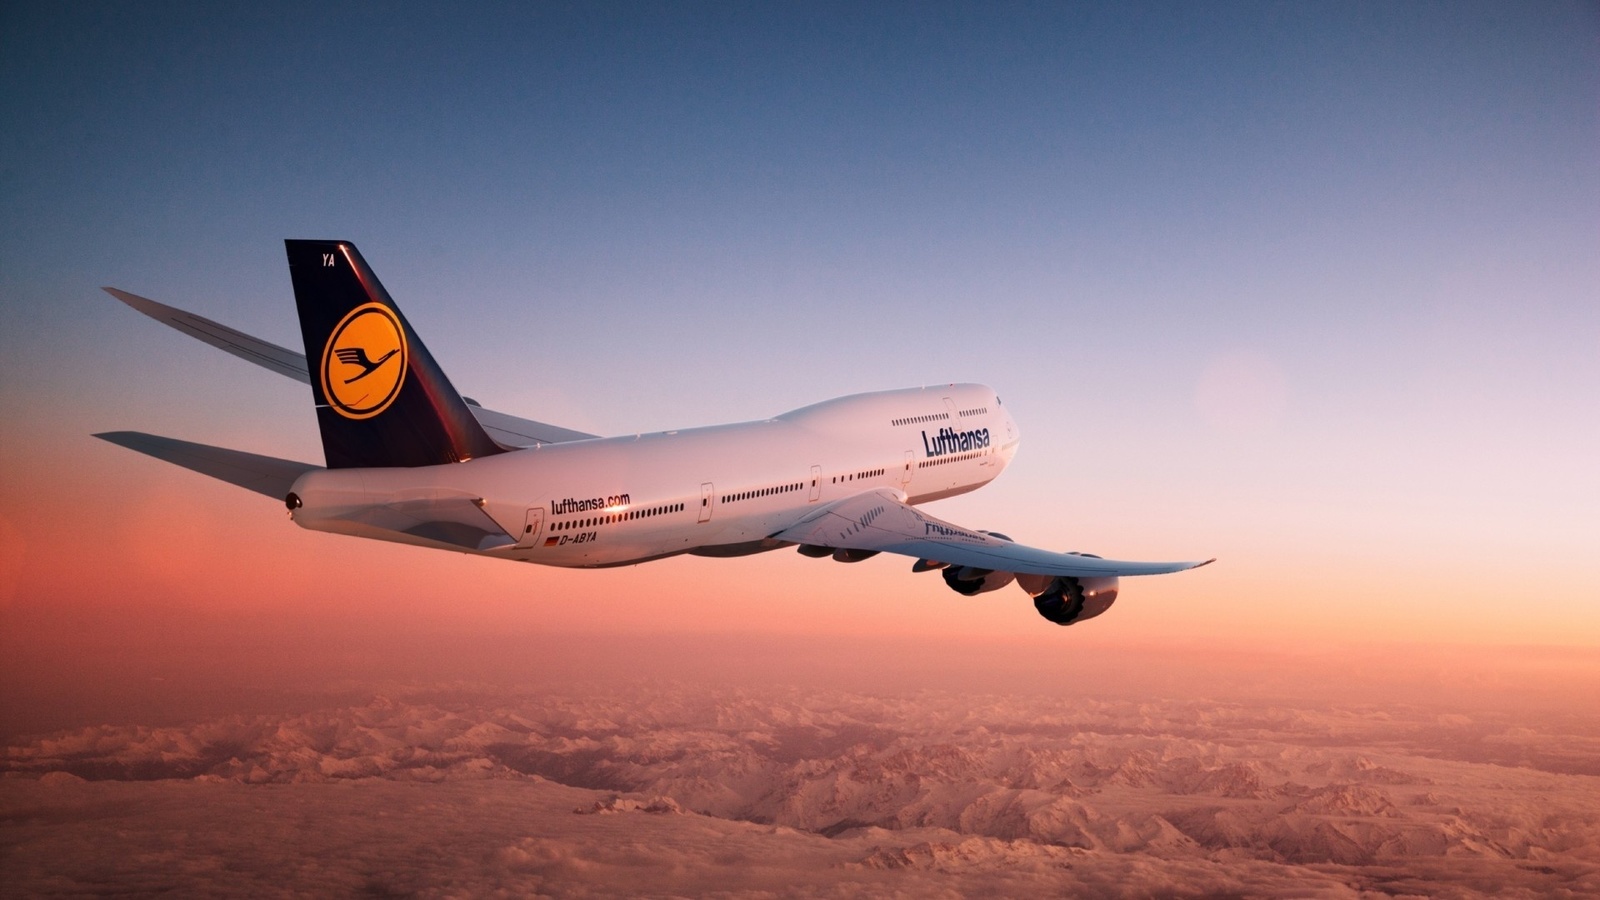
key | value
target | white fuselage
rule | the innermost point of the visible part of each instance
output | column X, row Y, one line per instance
column 718, row 491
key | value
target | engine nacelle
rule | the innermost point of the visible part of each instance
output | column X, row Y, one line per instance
column 966, row 580
column 1064, row 600
column 970, row 582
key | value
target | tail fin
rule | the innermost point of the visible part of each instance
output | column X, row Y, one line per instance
column 381, row 399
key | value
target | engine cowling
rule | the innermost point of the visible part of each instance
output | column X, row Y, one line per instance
column 970, row 582
column 1065, row 600
column 966, row 580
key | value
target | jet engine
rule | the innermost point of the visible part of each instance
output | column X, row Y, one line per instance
column 1061, row 599
column 1065, row 600
column 970, row 582
column 966, row 580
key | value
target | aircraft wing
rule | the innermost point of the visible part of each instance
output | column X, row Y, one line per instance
column 509, row 430
column 266, row 475
column 881, row 521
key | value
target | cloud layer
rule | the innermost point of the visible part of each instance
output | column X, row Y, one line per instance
column 679, row 788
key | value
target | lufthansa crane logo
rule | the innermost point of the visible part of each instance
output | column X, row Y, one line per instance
column 364, row 362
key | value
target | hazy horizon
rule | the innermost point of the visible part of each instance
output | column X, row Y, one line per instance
column 609, row 766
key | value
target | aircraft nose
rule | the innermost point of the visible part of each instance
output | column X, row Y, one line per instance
column 1013, row 436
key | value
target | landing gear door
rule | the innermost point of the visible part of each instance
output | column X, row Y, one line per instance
column 531, row 528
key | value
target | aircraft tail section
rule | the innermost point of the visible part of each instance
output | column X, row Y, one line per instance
column 381, row 398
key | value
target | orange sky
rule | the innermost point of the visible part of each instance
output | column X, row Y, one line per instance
column 92, row 526
column 1327, row 313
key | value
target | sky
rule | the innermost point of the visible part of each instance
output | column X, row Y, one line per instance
column 1310, row 288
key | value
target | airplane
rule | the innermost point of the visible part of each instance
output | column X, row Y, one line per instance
column 410, row 460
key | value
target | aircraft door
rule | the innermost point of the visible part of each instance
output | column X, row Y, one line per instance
column 530, row 529
column 706, row 490
column 911, row 462
column 816, row 484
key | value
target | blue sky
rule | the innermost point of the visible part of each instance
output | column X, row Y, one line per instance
column 1310, row 287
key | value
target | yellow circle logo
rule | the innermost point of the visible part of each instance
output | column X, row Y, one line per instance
column 364, row 362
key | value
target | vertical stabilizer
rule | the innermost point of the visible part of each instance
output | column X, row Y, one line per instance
column 381, row 399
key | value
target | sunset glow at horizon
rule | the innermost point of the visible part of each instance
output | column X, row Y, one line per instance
column 1309, row 290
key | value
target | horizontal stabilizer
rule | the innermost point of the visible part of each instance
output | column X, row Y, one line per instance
column 265, row 475
column 512, row 431
column 263, row 353
column 459, row 522
column 515, row 432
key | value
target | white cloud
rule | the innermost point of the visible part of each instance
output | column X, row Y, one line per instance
column 681, row 789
